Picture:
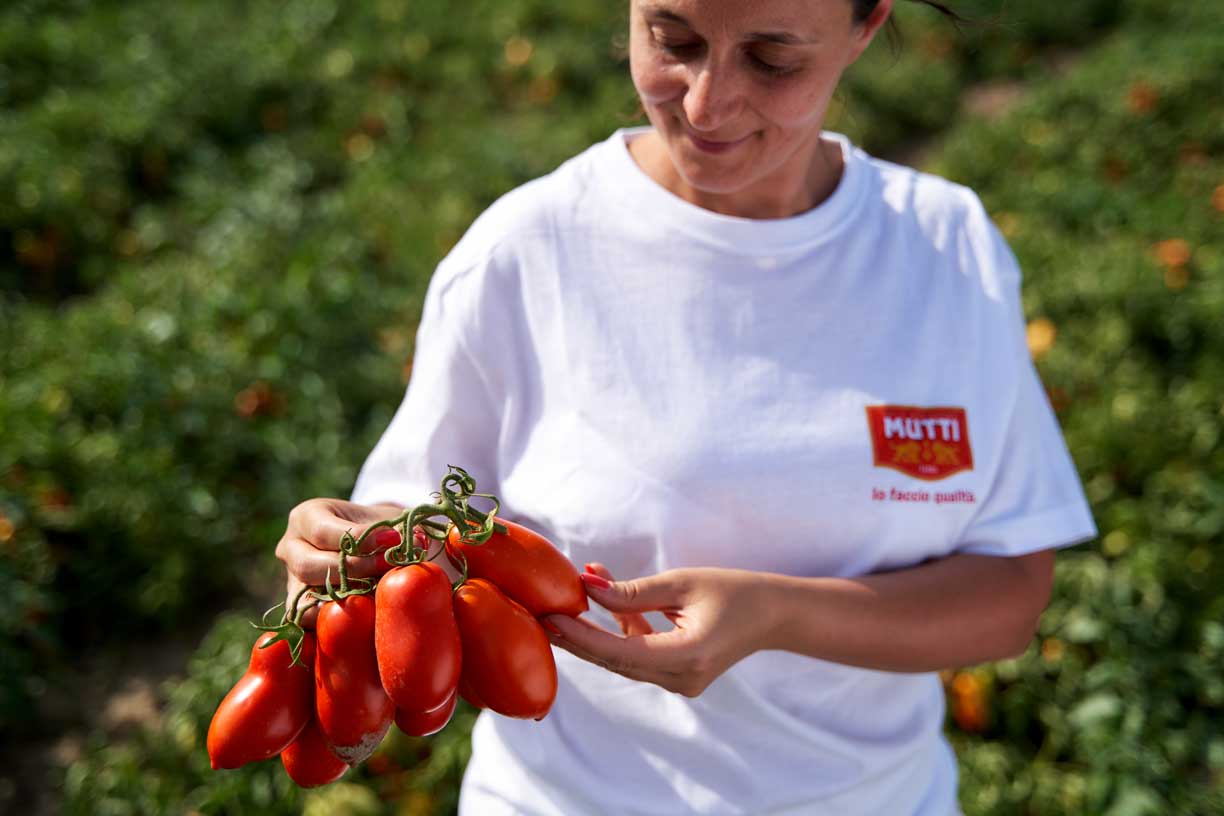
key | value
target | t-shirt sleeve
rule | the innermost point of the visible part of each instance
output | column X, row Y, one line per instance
column 1034, row 500
column 447, row 416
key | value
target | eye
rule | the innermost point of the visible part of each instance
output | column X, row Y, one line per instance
column 673, row 44
column 679, row 49
column 768, row 68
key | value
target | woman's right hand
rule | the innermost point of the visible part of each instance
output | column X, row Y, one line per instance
column 311, row 542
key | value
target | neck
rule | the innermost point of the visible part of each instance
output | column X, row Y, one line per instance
column 775, row 198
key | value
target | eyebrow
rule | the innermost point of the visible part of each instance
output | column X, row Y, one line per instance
column 779, row 37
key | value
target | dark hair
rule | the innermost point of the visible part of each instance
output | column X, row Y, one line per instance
column 863, row 9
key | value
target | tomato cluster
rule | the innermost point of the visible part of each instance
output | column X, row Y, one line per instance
column 402, row 650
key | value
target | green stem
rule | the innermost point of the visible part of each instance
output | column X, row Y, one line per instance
column 292, row 613
column 290, row 628
column 391, row 523
column 463, row 569
column 344, row 563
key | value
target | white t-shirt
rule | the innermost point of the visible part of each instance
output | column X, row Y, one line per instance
column 653, row 385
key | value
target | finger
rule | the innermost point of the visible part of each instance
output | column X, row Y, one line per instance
column 631, row 623
column 327, row 532
column 310, row 565
column 645, row 674
column 660, row 592
column 292, row 587
column 643, row 657
column 324, row 523
column 560, row 642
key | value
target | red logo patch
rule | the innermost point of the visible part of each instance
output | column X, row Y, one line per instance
column 926, row 443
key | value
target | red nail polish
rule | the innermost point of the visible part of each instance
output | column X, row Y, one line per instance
column 593, row 580
column 386, row 538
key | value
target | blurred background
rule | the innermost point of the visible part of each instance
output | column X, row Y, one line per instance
column 217, row 221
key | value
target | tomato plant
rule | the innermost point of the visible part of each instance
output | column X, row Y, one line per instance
column 267, row 708
column 353, row 709
column 507, row 659
column 526, row 566
column 416, row 638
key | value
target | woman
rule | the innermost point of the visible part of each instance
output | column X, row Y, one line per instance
column 779, row 387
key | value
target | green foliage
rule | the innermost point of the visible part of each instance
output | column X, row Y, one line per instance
column 258, row 307
column 158, row 433
column 1109, row 204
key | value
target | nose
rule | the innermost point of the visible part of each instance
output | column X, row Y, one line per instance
column 713, row 98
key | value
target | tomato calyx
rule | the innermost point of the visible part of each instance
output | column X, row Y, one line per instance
column 421, row 525
column 290, row 628
column 451, row 506
column 349, row 547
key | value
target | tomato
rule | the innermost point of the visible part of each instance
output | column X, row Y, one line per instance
column 465, row 691
column 388, row 538
column 507, row 659
column 309, row 760
column 431, row 722
column 266, row 709
column 383, row 541
column 415, row 637
column 526, row 566
column 353, row 709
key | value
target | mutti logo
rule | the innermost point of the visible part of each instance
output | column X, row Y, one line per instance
column 926, row 443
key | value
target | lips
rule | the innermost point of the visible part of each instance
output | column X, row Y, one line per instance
column 713, row 146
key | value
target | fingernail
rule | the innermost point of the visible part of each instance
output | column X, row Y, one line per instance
column 386, row 538
column 593, row 580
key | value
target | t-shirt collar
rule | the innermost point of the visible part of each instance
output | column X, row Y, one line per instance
column 745, row 236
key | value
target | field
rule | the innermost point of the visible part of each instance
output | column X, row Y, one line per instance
column 212, row 261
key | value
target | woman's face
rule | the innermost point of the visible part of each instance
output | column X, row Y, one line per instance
column 738, row 89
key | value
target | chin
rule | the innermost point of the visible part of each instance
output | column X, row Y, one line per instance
column 704, row 173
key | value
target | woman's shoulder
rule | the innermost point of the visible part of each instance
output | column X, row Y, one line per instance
column 946, row 213
column 926, row 196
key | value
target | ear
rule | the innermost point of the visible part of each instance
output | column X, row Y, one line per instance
column 867, row 29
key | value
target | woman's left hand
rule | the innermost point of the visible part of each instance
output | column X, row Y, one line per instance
column 720, row 617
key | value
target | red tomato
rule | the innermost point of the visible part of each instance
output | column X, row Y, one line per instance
column 266, row 709
column 527, row 567
column 465, row 691
column 383, row 541
column 309, row 761
column 507, row 659
column 388, row 538
column 353, row 709
column 415, row 637
column 431, row 722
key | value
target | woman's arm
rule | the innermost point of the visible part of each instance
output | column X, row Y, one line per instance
column 955, row 611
